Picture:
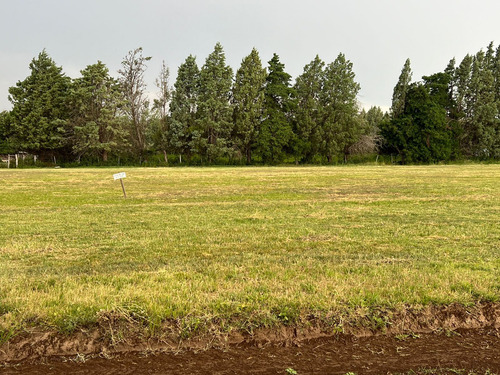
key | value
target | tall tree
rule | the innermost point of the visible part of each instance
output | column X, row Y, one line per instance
column 40, row 107
column 309, row 111
column 6, row 145
column 136, row 103
column 159, row 129
column 463, row 102
column 214, row 123
column 276, row 129
column 420, row 133
column 400, row 90
column 248, row 102
column 183, row 107
column 96, row 127
column 485, row 127
column 342, row 127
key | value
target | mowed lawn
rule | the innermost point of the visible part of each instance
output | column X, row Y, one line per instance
column 244, row 246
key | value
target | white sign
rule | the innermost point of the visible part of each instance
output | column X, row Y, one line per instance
column 117, row 176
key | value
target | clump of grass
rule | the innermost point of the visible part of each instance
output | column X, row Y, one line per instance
column 244, row 246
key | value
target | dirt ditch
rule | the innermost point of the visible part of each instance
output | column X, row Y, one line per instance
column 435, row 337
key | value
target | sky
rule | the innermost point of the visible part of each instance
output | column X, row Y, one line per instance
column 377, row 36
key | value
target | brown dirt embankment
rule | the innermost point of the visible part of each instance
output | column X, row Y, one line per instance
column 115, row 337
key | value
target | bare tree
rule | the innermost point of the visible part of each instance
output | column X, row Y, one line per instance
column 161, row 107
column 137, row 104
column 161, row 104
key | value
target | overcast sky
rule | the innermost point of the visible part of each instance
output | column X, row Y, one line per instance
column 376, row 35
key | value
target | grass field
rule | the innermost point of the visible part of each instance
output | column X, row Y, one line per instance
column 244, row 247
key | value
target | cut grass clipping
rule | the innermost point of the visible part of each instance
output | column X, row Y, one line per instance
column 243, row 247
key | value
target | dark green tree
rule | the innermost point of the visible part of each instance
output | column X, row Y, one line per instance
column 95, row 126
column 183, row 108
column 214, row 120
column 40, row 108
column 6, row 144
column 342, row 126
column 309, row 113
column 248, row 103
column 400, row 90
column 276, row 129
column 420, row 133
column 480, row 119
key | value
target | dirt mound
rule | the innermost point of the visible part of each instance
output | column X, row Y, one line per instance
column 115, row 337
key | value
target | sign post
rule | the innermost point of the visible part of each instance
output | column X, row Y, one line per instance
column 120, row 176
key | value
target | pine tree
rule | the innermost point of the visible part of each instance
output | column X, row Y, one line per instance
column 276, row 129
column 214, row 123
column 248, row 102
column 40, row 107
column 183, row 107
column 400, row 90
column 485, row 122
column 463, row 103
column 309, row 115
column 342, row 126
column 96, row 128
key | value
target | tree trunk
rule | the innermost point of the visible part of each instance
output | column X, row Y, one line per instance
column 104, row 155
column 249, row 156
column 166, row 156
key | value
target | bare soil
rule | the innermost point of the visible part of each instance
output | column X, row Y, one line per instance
column 436, row 337
column 477, row 350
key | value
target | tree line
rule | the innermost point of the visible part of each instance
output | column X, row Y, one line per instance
column 256, row 115
column 449, row 115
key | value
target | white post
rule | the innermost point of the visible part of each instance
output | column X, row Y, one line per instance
column 8, row 160
column 17, row 160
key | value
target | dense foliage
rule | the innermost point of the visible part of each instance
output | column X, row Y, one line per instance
column 255, row 116
column 448, row 115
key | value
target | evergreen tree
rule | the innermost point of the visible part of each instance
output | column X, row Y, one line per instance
column 6, row 144
column 214, row 122
column 96, row 128
column 309, row 112
column 496, row 74
column 248, row 102
column 400, row 90
column 183, row 107
column 420, row 133
column 276, row 129
column 462, row 99
column 342, row 126
column 485, row 129
column 40, row 107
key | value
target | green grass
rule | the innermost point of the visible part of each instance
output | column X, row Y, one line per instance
column 243, row 246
